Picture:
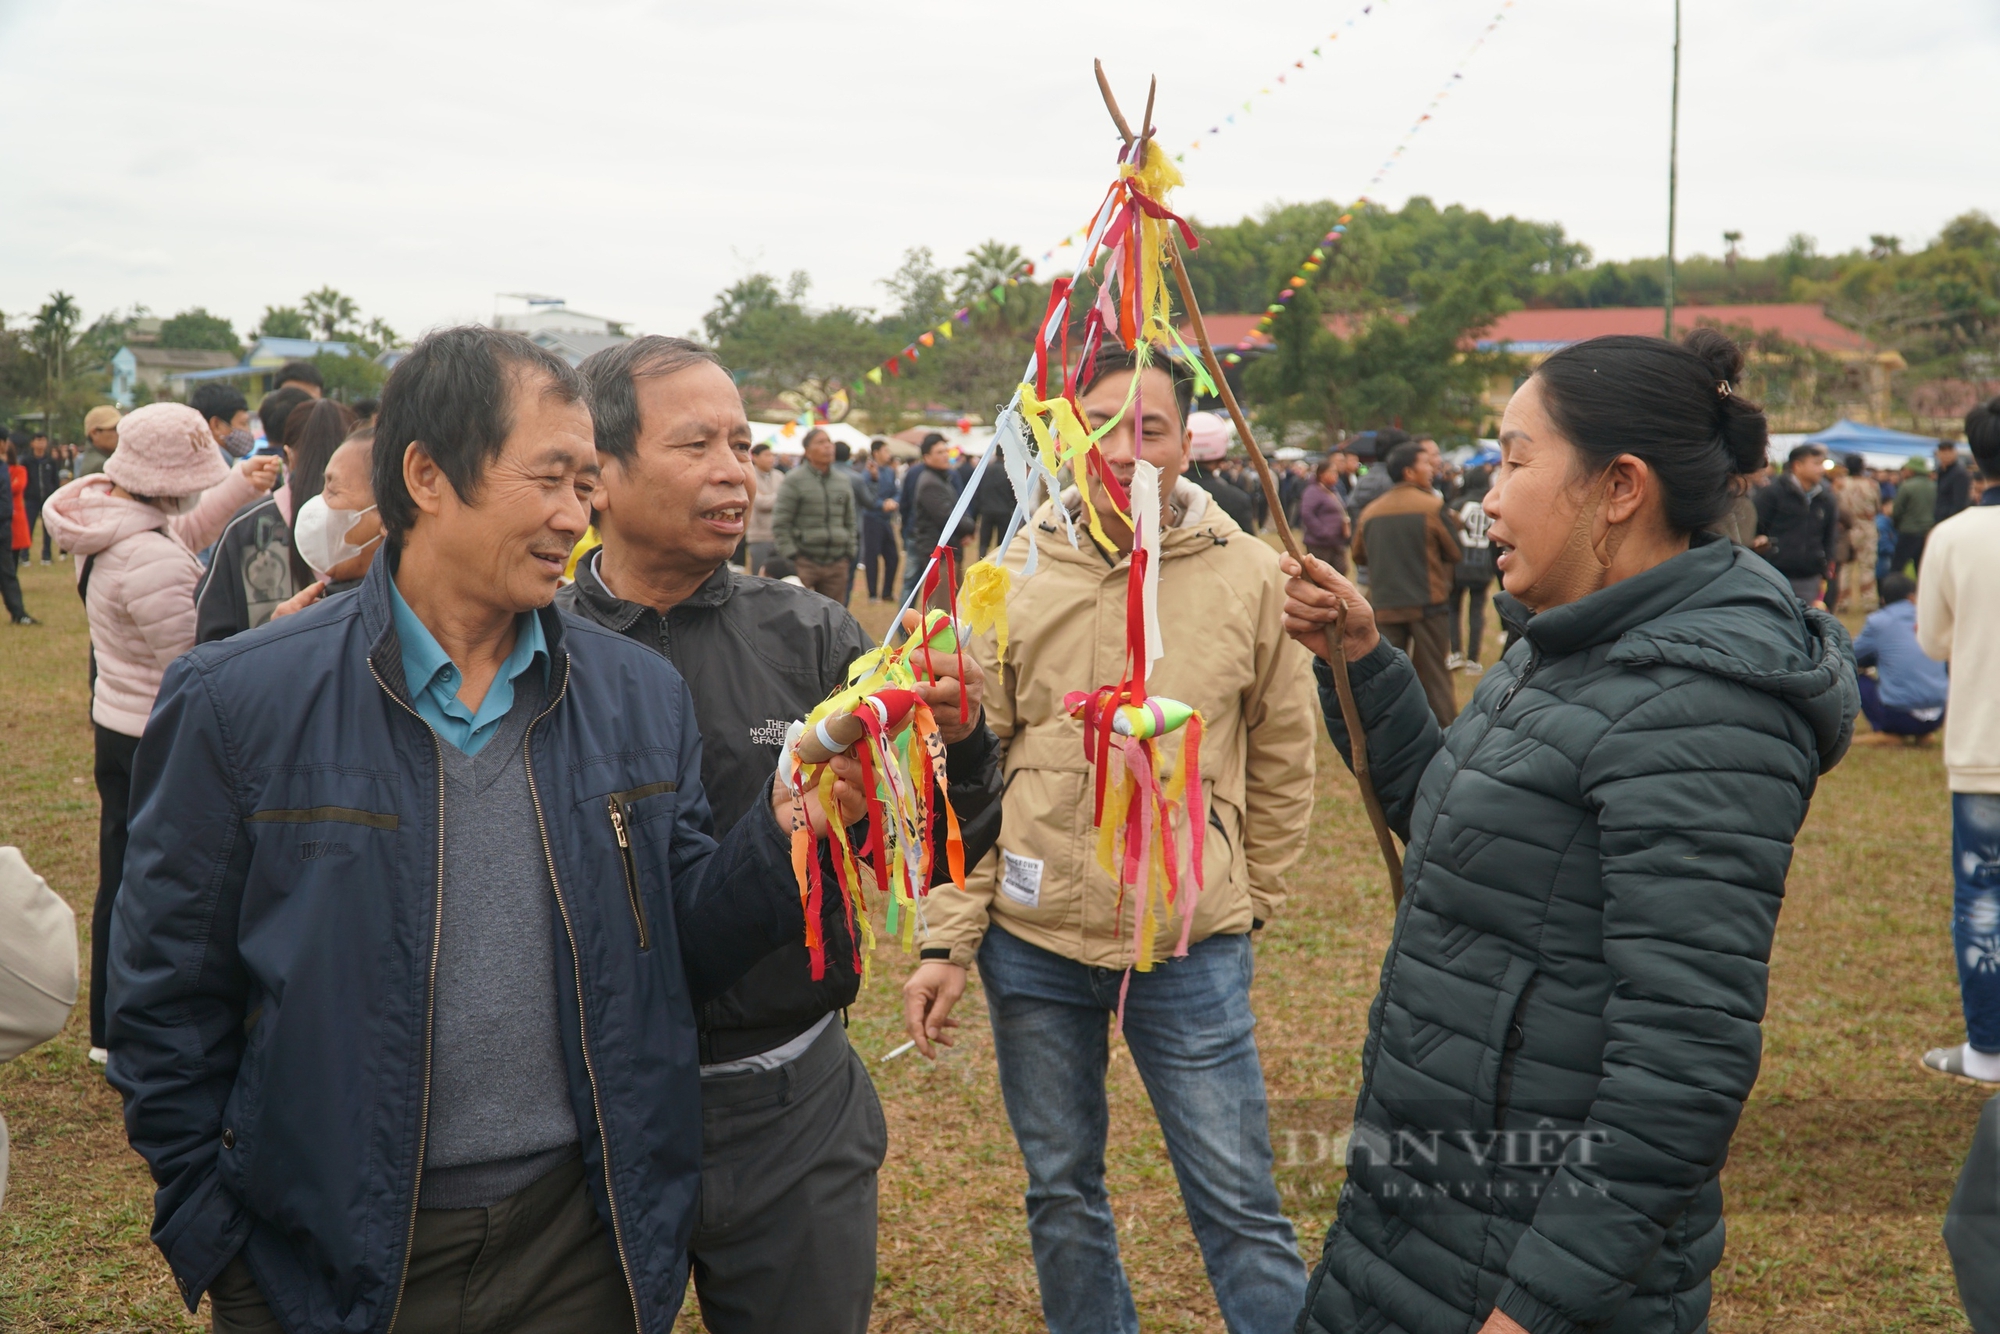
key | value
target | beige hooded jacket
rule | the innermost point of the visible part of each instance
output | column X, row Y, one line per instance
column 38, row 966
column 1221, row 600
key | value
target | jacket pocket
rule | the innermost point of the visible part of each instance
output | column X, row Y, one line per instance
column 1510, row 1049
column 618, row 807
column 327, row 814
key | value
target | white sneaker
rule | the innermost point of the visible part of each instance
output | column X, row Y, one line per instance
column 99, row 1056
column 1454, row 661
column 1474, row 669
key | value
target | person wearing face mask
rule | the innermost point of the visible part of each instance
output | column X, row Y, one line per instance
column 1568, row 1020
column 227, row 413
column 794, row 1134
column 255, row 565
column 135, row 529
column 338, row 530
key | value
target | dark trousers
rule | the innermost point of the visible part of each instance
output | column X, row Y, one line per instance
column 992, row 527
column 1472, row 597
column 1909, row 552
column 34, row 513
column 114, row 799
column 833, row 579
column 538, row 1262
column 10, row 586
column 1334, row 556
column 881, row 550
column 1887, row 718
column 789, row 1157
column 1428, row 642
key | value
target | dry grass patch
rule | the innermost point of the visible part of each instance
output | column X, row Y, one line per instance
column 1837, row 1182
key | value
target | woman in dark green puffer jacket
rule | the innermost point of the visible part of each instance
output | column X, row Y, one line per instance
column 1568, row 1020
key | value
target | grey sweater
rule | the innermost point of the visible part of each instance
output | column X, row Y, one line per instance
column 500, row 1112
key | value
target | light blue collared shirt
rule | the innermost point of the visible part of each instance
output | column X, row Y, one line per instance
column 433, row 678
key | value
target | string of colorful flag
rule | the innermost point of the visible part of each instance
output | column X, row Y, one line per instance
column 1322, row 253
column 1249, row 104
column 997, row 294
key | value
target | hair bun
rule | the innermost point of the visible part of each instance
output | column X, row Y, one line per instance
column 1745, row 435
column 1718, row 352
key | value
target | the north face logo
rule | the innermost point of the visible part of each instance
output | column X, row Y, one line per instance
column 771, row 733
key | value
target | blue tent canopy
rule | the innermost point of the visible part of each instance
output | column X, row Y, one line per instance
column 1846, row 437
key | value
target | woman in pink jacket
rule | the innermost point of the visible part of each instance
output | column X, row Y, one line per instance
column 135, row 528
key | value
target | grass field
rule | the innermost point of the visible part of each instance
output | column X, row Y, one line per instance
column 1837, row 1181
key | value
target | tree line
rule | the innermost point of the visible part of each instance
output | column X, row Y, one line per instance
column 54, row 364
column 1407, row 286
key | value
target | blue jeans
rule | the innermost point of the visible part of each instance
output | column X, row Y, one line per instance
column 1189, row 1028
column 1975, row 916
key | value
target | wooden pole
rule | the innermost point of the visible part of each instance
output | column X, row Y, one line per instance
column 1673, row 166
column 1350, row 712
column 1264, row 476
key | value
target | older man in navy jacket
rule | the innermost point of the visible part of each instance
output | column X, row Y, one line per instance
column 418, row 908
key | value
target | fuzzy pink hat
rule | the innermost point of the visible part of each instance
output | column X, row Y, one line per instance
column 1211, row 437
column 165, row 449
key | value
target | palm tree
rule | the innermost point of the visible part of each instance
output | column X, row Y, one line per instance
column 330, row 312
column 986, row 266
column 55, row 324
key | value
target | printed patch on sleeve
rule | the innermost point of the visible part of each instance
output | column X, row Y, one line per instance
column 1023, row 879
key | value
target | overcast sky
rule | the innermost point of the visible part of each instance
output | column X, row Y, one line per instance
column 635, row 157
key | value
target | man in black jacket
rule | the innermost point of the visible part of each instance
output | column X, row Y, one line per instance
column 1954, row 483
column 45, row 476
column 932, row 500
column 1797, row 517
column 794, row 1134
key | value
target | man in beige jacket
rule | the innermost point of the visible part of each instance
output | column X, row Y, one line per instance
column 1052, row 971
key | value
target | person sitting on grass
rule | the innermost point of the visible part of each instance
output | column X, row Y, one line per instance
column 1905, row 695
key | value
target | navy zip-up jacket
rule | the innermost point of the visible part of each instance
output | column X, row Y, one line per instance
column 274, row 950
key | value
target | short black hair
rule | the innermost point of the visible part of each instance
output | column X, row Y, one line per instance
column 1387, row 438
column 1114, row 357
column 366, row 408
column 452, row 395
column 932, row 441
column 613, row 376
column 1982, row 432
column 1402, row 458
column 1856, row 465
column 218, row 399
column 1802, row 452
column 841, row 453
column 817, row 432
column 1897, row 588
column 276, row 409
column 759, row 448
column 301, row 372
column 878, row 443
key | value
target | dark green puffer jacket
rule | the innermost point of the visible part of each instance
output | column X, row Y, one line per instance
column 1568, row 1021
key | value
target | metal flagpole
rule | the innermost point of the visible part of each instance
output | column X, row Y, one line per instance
column 1673, row 166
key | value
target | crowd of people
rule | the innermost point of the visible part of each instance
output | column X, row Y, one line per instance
column 448, row 948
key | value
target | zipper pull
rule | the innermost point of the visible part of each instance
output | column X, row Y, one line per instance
column 618, row 823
